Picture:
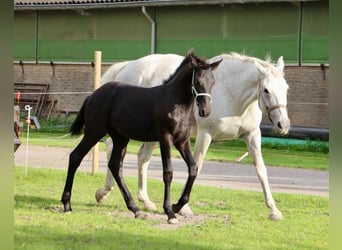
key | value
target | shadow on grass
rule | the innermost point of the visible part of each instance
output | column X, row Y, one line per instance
column 28, row 237
column 29, row 201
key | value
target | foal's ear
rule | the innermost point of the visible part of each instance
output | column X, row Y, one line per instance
column 195, row 62
column 191, row 52
column 214, row 65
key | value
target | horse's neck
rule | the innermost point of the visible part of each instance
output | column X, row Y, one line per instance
column 241, row 86
column 180, row 85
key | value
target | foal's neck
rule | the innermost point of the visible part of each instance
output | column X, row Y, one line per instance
column 180, row 85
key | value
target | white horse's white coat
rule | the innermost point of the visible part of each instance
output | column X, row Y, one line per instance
column 244, row 88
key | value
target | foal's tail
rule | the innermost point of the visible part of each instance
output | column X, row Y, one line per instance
column 77, row 125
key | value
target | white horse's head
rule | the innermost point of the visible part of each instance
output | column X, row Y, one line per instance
column 273, row 94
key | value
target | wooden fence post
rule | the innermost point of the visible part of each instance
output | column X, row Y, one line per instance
column 97, row 79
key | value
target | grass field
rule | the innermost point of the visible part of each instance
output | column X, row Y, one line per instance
column 225, row 219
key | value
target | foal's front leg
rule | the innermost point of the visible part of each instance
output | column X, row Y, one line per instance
column 185, row 151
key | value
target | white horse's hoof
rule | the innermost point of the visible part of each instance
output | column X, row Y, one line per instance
column 150, row 205
column 141, row 215
column 173, row 221
column 99, row 194
column 186, row 211
column 276, row 216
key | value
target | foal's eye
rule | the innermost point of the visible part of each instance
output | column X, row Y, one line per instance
column 266, row 91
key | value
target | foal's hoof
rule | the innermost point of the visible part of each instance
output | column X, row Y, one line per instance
column 67, row 208
column 276, row 216
column 173, row 221
column 141, row 215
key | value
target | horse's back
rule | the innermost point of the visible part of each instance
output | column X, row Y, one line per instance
column 150, row 70
column 112, row 72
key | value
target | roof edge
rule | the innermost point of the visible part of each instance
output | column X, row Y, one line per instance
column 131, row 4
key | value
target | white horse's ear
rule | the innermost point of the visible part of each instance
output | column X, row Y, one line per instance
column 263, row 70
column 280, row 64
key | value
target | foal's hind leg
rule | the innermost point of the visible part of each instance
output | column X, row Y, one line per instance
column 253, row 141
column 75, row 159
column 115, row 165
column 144, row 156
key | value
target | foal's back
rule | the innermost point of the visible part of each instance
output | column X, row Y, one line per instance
column 134, row 111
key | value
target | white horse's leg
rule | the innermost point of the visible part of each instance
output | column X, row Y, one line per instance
column 144, row 156
column 253, row 141
column 202, row 143
column 102, row 193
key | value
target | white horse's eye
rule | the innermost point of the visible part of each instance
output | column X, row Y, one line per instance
column 266, row 91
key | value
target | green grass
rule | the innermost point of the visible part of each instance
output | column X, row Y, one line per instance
column 225, row 219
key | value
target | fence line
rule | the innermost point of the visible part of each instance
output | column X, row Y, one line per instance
column 90, row 92
column 55, row 93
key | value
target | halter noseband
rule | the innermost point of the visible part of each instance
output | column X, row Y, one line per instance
column 194, row 91
column 270, row 109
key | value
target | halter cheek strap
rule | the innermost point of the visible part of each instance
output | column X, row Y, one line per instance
column 194, row 91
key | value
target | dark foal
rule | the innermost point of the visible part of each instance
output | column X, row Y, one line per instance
column 163, row 113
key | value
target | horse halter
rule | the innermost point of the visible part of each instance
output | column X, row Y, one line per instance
column 194, row 91
column 271, row 108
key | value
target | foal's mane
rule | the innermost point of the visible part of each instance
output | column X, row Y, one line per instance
column 172, row 76
column 265, row 63
column 186, row 60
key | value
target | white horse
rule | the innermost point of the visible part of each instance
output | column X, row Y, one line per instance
column 245, row 87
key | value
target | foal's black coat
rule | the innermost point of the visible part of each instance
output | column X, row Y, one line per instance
column 160, row 113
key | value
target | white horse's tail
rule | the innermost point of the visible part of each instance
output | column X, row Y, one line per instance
column 112, row 72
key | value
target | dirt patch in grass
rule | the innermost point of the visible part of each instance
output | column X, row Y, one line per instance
column 159, row 220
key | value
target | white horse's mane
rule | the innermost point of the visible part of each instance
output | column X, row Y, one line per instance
column 265, row 63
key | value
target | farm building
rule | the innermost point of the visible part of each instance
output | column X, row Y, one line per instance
column 54, row 43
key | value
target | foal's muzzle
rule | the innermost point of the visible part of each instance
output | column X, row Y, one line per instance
column 204, row 107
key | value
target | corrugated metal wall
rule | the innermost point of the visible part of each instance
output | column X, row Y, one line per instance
column 299, row 32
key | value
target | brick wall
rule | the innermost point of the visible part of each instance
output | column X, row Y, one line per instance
column 307, row 96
